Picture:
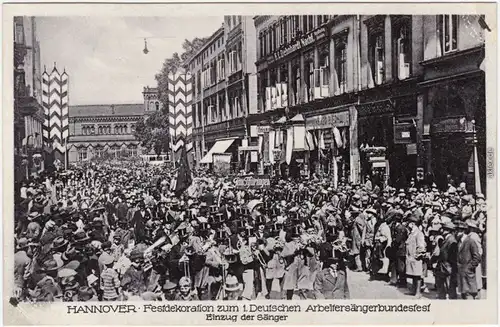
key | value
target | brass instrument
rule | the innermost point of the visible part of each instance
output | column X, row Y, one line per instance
column 340, row 245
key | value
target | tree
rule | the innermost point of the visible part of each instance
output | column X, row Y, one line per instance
column 174, row 64
column 153, row 132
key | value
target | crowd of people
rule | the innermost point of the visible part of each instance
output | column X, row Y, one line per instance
column 115, row 233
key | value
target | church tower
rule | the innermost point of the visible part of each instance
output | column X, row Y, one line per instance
column 151, row 100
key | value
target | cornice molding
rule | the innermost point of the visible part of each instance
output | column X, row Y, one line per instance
column 106, row 119
column 259, row 20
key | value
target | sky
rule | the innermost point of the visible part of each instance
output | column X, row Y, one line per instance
column 104, row 58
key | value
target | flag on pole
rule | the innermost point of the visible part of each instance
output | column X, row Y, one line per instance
column 183, row 180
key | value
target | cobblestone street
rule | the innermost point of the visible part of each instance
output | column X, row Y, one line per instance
column 360, row 287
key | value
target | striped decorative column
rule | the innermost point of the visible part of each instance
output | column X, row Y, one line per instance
column 180, row 118
column 55, row 104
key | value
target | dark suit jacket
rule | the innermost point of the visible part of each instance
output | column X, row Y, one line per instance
column 447, row 260
column 331, row 288
column 121, row 211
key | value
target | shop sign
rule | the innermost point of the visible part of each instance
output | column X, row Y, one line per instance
column 264, row 129
column 452, row 125
column 411, row 149
column 301, row 43
column 402, row 133
column 259, row 181
column 339, row 119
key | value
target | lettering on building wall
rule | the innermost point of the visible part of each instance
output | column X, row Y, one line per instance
column 339, row 119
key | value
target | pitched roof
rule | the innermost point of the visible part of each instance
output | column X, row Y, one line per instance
column 106, row 110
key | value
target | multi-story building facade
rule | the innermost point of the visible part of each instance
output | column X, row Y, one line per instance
column 28, row 110
column 98, row 129
column 224, row 90
column 454, row 101
column 351, row 92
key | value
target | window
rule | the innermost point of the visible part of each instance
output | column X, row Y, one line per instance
column 274, row 40
column 132, row 128
column 261, row 45
column 305, row 24
column 341, row 64
column 115, row 151
column 82, row 154
column 324, row 66
column 284, row 31
column 92, row 130
column 19, row 33
column 322, row 19
column 309, row 76
column 237, row 106
column 239, row 61
column 198, row 81
column 447, row 33
column 402, row 47
column 311, row 23
column 222, row 108
column 294, row 26
column 220, row 66
column 132, row 150
column 295, row 84
column 213, row 113
column 233, row 61
column 377, row 57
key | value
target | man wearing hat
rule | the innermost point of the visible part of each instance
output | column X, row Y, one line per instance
column 139, row 223
column 469, row 259
column 22, row 261
column 357, row 230
column 86, row 294
column 169, row 290
column 33, row 230
column 331, row 282
column 445, row 271
column 415, row 253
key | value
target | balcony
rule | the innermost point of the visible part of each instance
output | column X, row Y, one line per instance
column 228, row 125
column 27, row 105
column 25, row 100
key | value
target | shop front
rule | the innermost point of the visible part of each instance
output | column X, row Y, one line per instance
column 222, row 155
column 376, row 142
column 328, row 140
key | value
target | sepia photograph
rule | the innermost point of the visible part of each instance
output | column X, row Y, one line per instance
column 251, row 158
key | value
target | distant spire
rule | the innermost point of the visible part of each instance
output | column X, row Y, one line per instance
column 44, row 68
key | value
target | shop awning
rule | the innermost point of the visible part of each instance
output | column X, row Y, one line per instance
column 220, row 146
